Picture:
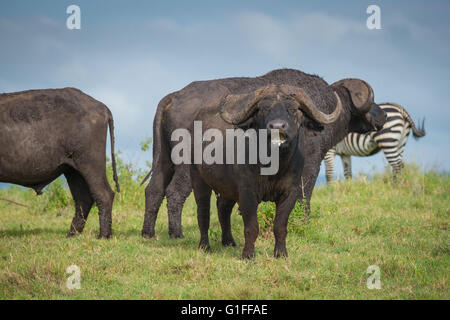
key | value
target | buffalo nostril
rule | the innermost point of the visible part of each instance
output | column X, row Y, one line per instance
column 278, row 124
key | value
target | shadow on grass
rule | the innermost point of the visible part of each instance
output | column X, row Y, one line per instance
column 189, row 242
column 161, row 240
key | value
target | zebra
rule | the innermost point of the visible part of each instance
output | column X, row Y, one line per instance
column 391, row 139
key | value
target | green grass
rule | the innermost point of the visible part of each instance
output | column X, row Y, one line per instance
column 402, row 228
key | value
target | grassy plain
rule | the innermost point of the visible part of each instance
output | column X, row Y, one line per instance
column 400, row 227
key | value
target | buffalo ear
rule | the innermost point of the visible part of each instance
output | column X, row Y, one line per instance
column 360, row 91
column 237, row 108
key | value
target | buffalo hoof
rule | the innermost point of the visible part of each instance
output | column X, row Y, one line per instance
column 176, row 235
column 104, row 236
column 280, row 253
column 228, row 242
column 248, row 254
column 147, row 235
column 204, row 246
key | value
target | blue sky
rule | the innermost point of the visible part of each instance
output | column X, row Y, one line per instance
column 130, row 54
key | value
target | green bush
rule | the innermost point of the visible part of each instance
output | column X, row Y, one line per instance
column 58, row 196
column 266, row 216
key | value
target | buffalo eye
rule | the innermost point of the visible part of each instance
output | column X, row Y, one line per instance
column 310, row 124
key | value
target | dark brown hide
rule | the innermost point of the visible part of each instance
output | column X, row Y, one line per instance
column 179, row 109
column 46, row 133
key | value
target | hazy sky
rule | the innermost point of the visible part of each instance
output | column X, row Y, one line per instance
column 130, row 54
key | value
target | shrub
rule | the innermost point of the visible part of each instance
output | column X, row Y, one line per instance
column 266, row 216
column 58, row 196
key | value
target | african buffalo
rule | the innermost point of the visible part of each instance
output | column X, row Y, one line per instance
column 234, row 102
column 362, row 118
column 178, row 185
column 46, row 133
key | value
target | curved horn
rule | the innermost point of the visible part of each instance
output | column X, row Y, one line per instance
column 308, row 106
column 236, row 108
column 360, row 92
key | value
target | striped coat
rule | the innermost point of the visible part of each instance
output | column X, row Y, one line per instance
column 391, row 139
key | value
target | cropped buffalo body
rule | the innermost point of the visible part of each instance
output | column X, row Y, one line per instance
column 357, row 119
column 46, row 133
column 257, row 102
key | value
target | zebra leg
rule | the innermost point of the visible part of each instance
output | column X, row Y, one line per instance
column 397, row 167
column 329, row 165
column 395, row 160
column 347, row 163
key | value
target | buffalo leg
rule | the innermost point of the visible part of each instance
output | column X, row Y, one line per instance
column 202, row 194
column 101, row 192
column 248, row 205
column 82, row 199
column 176, row 193
column 224, row 209
column 154, row 195
column 307, row 183
column 310, row 172
column 283, row 210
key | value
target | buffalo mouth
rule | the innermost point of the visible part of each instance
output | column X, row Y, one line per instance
column 282, row 138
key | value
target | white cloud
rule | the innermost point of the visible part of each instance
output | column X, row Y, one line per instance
column 283, row 38
column 266, row 33
column 326, row 29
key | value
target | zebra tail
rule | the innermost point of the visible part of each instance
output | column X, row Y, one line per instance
column 418, row 132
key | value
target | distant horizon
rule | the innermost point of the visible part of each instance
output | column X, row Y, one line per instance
column 321, row 179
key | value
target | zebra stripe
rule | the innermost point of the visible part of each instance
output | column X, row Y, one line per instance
column 391, row 139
